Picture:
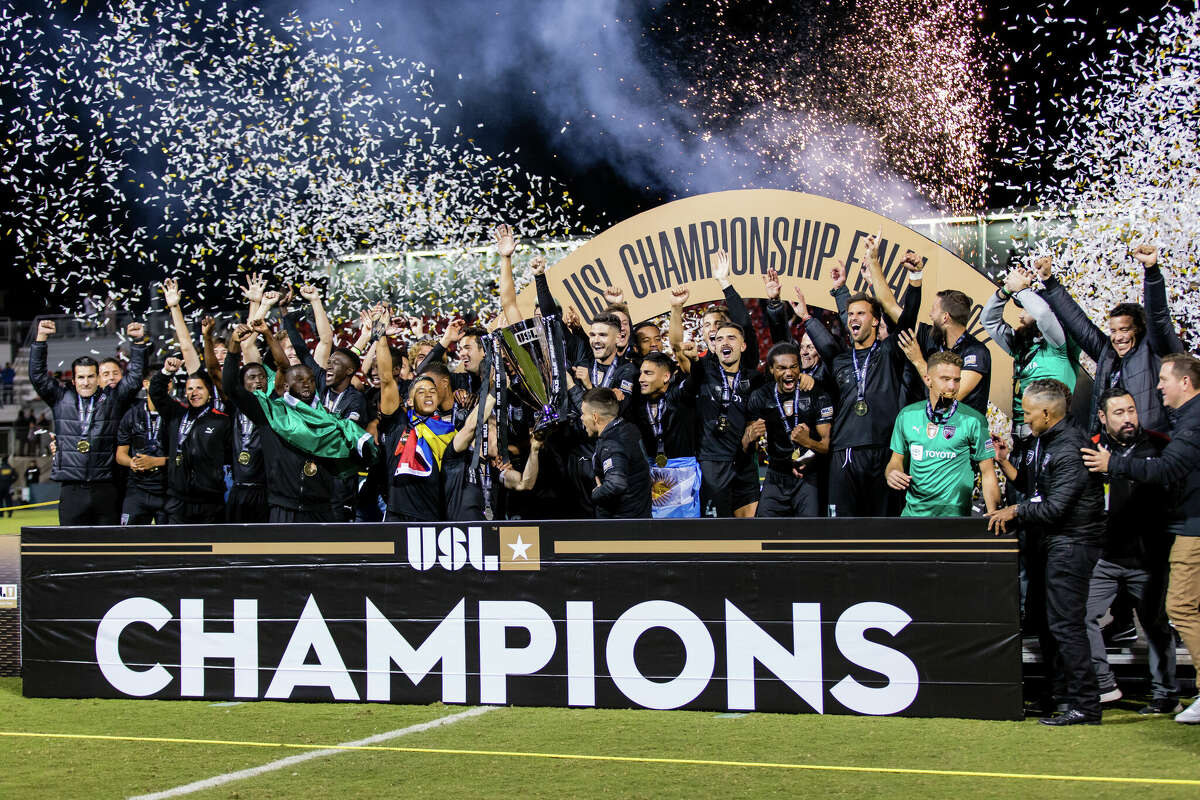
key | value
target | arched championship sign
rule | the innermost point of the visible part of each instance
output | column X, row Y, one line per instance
column 800, row 235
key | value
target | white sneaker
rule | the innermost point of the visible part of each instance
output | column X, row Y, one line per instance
column 1112, row 695
column 1190, row 715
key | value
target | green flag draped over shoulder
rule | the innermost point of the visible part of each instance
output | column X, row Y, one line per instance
column 314, row 430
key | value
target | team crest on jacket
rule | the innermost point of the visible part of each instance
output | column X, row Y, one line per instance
column 949, row 430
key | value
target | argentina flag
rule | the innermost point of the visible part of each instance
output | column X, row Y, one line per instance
column 675, row 488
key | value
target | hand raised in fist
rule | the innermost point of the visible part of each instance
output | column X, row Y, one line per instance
column 1147, row 254
column 679, row 296
column 1043, row 267
column 136, row 331
column 46, row 328
column 538, row 264
column 172, row 365
column 838, row 274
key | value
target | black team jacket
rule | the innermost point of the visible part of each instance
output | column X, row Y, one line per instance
column 621, row 465
column 1178, row 466
column 98, row 463
column 1139, row 367
column 1065, row 499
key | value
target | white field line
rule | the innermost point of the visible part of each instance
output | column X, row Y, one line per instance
column 283, row 763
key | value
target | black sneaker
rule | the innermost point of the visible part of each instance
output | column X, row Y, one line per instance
column 1072, row 717
column 1162, row 706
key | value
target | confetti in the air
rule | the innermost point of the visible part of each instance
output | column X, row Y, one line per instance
column 198, row 140
column 1125, row 170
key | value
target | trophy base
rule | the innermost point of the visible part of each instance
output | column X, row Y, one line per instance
column 549, row 418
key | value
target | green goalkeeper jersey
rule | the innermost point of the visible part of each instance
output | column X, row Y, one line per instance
column 939, row 452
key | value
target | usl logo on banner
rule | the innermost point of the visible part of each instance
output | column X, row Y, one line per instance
column 453, row 548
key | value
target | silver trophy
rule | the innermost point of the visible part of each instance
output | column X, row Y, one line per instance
column 532, row 363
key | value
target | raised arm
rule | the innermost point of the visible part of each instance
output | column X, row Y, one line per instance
column 298, row 344
column 231, row 380
column 187, row 348
column 679, row 298
column 506, row 245
column 1018, row 284
column 1073, row 319
column 211, row 364
column 452, row 336
column 131, row 381
column 992, row 318
column 324, row 328
column 47, row 388
column 776, row 311
column 822, row 339
column 545, row 299
column 1160, row 331
column 524, row 481
column 877, row 280
column 252, row 293
column 389, row 390
column 465, row 436
column 280, row 358
column 160, row 382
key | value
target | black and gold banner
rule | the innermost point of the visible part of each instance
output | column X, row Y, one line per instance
column 837, row 616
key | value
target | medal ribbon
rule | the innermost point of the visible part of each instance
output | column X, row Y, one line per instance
column 85, row 419
column 185, row 427
column 597, row 381
column 656, row 421
column 728, row 390
column 788, row 423
column 860, row 375
column 938, row 416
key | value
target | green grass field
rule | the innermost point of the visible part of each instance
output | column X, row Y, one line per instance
column 528, row 752
column 508, row 741
column 31, row 517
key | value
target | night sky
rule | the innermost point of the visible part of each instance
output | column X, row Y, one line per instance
column 588, row 93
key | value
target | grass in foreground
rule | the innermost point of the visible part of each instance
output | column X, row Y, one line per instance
column 31, row 517
column 1126, row 745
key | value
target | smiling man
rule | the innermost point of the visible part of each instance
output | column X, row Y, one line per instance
column 868, row 385
column 796, row 419
column 1130, row 353
column 87, row 415
column 606, row 369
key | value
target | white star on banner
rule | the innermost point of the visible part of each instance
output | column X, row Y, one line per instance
column 520, row 548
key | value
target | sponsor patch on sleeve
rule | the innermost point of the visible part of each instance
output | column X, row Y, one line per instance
column 826, row 413
column 607, row 465
column 626, row 386
column 971, row 360
column 352, row 416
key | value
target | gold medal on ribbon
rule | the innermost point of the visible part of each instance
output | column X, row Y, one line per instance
column 661, row 459
column 310, row 469
column 83, row 445
column 860, row 408
column 244, row 458
column 179, row 459
column 795, row 455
